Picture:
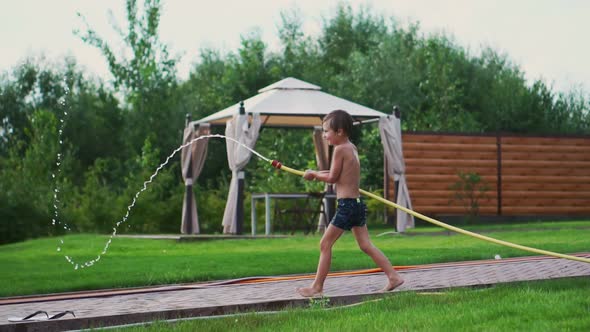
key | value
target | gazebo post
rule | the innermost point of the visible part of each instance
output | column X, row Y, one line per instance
column 397, row 114
column 241, row 176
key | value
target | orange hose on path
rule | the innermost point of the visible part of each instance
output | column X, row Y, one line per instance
column 398, row 268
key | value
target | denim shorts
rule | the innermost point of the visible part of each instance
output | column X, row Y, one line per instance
column 350, row 212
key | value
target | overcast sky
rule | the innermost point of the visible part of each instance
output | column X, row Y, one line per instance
column 546, row 38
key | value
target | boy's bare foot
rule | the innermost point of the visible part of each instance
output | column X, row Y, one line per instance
column 393, row 284
column 309, row 292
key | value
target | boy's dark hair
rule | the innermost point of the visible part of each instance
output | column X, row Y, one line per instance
column 339, row 119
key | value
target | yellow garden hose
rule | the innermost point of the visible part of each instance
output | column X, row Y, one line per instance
column 278, row 165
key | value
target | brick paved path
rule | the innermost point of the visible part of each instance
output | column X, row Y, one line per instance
column 202, row 300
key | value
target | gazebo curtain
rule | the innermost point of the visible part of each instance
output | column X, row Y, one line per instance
column 192, row 158
column 238, row 157
column 391, row 138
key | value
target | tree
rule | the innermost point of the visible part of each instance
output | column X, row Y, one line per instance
column 346, row 33
column 26, row 181
column 147, row 78
column 15, row 109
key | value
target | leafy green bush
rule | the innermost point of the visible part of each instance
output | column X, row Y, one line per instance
column 469, row 190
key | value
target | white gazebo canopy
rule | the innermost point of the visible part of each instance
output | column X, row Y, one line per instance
column 292, row 103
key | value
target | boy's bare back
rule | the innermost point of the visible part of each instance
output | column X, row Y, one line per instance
column 346, row 165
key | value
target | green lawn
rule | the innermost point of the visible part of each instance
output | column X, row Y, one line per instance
column 35, row 266
column 549, row 305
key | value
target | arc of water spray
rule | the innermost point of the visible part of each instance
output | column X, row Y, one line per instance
column 91, row 262
column 55, row 218
column 278, row 165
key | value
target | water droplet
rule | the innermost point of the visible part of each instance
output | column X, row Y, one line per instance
column 58, row 249
column 76, row 267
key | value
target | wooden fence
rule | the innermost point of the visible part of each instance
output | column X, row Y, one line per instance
column 525, row 176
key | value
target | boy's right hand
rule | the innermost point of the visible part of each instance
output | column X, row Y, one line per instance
column 309, row 174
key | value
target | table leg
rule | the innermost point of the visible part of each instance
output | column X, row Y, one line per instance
column 267, row 214
column 253, row 215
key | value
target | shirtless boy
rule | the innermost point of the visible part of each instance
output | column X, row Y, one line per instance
column 351, row 211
